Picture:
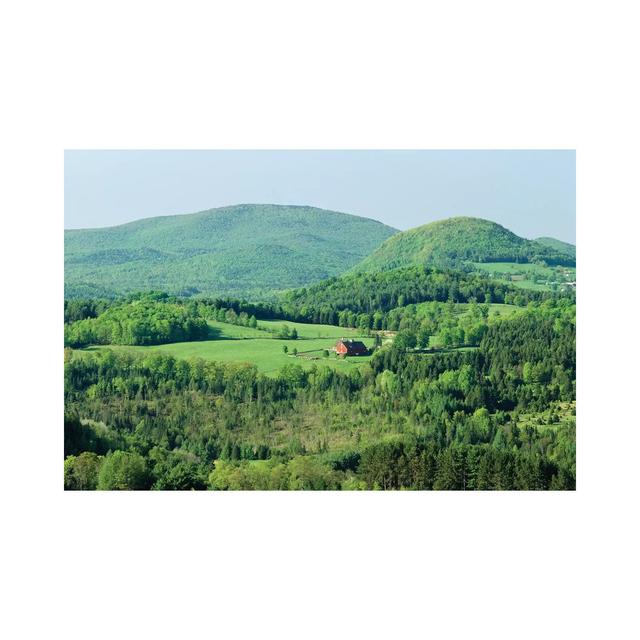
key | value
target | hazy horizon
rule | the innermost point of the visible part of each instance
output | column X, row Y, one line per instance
column 532, row 193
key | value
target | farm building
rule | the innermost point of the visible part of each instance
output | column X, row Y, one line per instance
column 351, row 348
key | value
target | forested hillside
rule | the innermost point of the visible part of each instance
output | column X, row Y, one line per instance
column 498, row 417
column 213, row 378
column 245, row 250
column 559, row 246
column 455, row 396
column 456, row 242
column 372, row 293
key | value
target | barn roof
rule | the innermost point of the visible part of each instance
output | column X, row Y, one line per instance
column 354, row 346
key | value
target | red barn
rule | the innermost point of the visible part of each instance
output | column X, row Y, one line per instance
column 351, row 348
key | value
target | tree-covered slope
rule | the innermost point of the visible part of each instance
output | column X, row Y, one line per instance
column 455, row 241
column 558, row 245
column 381, row 291
column 244, row 250
column 139, row 322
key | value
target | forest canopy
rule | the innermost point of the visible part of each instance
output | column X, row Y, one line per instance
column 500, row 416
column 141, row 322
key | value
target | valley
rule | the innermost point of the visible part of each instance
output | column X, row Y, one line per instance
column 459, row 371
column 314, row 346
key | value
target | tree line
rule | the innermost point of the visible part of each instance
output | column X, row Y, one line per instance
column 499, row 416
column 140, row 322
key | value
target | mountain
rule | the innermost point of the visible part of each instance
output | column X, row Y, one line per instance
column 559, row 246
column 456, row 241
column 248, row 250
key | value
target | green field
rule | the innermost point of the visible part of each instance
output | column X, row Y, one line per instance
column 524, row 275
column 495, row 309
column 243, row 344
column 533, row 286
column 312, row 330
column 225, row 331
column 234, row 343
column 502, row 310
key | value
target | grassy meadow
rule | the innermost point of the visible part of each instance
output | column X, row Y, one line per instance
column 527, row 276
column 307, row 331
column 495, row 309
column 234, row 343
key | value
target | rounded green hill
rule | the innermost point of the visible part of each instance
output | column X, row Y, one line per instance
column 453, row 242
column 244, row 250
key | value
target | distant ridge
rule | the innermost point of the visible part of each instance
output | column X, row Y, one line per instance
column 558, row 245
column 247, row 250
column 454, row 242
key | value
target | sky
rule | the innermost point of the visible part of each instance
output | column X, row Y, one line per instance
column 530, row 192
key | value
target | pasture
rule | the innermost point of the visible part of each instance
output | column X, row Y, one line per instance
column 495, row 309
column 234, row 343
column 306, row 330
column 527, row 276
column 244, row 344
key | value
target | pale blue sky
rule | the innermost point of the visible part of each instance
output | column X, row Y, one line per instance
column 530, row 192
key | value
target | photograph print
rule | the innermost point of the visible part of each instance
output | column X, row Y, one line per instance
column 320, row 320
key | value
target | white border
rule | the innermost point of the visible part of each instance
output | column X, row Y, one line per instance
column 330, row 75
